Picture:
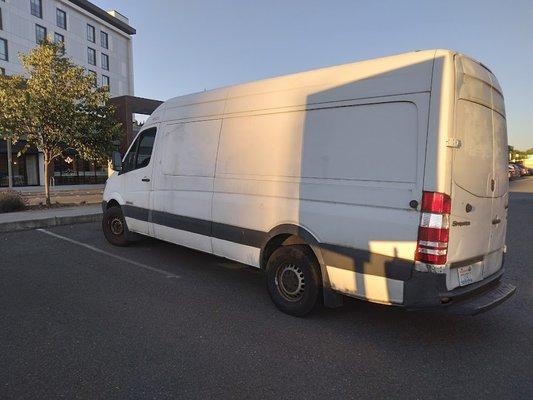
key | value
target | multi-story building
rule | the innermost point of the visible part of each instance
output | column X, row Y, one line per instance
column 98, row 40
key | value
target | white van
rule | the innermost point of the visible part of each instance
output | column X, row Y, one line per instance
column 384, row 180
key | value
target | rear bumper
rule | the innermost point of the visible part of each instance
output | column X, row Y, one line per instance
column 427, row 291
column 484, row 301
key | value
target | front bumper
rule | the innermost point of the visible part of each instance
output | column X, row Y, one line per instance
column 427, row 291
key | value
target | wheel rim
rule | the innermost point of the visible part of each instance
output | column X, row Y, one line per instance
column 290, row 281
column 116, row 226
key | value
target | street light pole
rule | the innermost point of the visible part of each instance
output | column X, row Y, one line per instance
column 9, row 164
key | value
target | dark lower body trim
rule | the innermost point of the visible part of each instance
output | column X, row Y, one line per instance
column 355, row 260
column 422, row 290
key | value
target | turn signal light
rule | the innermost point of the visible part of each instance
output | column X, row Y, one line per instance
column 434, row 202
column 434, row 230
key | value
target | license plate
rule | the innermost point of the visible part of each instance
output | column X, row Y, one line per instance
column 465, row 275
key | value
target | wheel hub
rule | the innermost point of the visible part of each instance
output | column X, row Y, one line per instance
column 117, row 227
column 291, row 282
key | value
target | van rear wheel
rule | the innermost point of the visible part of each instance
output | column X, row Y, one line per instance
column 114, row 226
column 293, row 279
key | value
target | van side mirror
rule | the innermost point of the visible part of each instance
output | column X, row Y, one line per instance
column 116, row 161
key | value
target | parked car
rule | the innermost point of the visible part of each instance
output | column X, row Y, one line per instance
column 517, row 171
column 522, row 170
column 513, row 172
column 280, row 174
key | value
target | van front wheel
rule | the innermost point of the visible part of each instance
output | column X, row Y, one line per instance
column 293, row 279
column 114, row 226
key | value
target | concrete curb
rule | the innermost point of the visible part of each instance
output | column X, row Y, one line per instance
column 49, row 222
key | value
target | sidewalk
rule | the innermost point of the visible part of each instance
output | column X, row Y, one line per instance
column 68, row 194
column 22, row 220
column 60, row 188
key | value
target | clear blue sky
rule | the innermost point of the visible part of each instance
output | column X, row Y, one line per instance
column 185, row 46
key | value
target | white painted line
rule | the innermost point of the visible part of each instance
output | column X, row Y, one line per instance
column 97, row 250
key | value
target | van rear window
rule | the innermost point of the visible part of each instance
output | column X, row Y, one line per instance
column 477, row 84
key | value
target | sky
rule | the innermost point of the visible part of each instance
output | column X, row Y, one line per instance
column 186, row 46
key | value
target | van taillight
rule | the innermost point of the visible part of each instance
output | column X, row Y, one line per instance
column 439, row 203
column 433, row 231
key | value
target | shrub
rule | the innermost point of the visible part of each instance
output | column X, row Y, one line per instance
column 11, row 201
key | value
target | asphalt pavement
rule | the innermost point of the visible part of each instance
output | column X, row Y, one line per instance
column 81, row 319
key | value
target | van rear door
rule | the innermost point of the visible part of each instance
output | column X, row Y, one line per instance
column 479, row 177
column 500, row 198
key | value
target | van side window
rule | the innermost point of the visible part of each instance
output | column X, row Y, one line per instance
column 144, row 151
column 140, row 152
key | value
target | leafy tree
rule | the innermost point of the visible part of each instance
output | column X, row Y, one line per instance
column 56, row 106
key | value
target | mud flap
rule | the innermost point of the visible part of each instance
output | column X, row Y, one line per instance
column 332, row 299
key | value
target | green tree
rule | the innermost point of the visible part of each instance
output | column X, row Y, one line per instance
column 56, row 106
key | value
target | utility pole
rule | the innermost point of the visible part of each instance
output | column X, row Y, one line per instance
column 9, row 163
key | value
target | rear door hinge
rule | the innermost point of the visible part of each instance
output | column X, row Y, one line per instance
column 454, row 143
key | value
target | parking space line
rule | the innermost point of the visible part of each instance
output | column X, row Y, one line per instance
column 97, row 250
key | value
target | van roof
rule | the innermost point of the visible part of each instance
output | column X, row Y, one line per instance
column 312, row 74
column 333, row 76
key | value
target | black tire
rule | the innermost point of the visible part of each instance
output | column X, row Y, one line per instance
column 293, row 279
column 114, row 227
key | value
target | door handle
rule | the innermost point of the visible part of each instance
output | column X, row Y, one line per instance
column 145, row 179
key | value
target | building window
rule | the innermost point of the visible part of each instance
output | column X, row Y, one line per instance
column 61, row 18
column 3, row 71
column 60, row 39
column 105, row 62
column 1, row 23
column 3, row 50
column 36, row 8
column 106, row 82
column 91, row 56
column 94, row 76
column 40, row 33
column 104, row 40
column 90, row 33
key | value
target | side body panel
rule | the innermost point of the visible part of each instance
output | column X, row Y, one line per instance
column 183, row 183
column 344, row 166
column 339, row 152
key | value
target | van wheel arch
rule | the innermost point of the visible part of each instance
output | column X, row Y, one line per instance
column 288, row 234
column 112, row 203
